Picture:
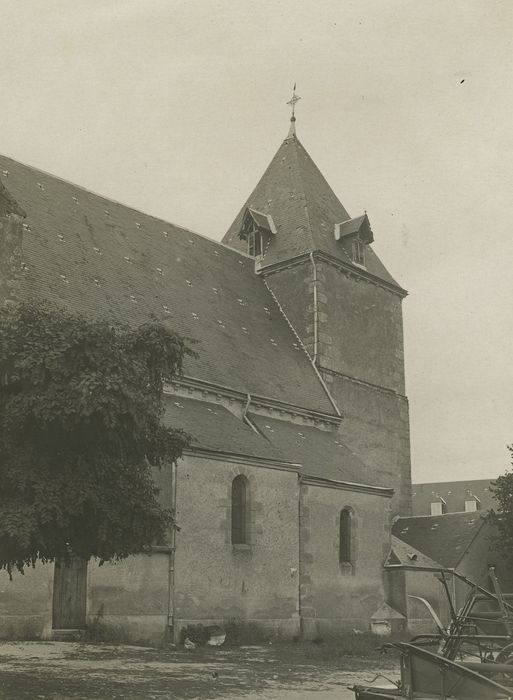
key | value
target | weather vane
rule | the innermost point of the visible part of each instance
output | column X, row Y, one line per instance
column 292, row 103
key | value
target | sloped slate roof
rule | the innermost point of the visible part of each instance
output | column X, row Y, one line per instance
column 304, row 209
column 319, row 452
column 213, row 427
column 403, row 553
column 311, row 451
column 102, row 258
column 454, row 493
column 443, row 538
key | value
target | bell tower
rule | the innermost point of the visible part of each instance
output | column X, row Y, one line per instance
column 320, row 264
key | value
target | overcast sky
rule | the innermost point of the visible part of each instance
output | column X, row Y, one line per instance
column 176, row 108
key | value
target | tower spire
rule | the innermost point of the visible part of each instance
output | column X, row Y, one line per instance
column 292, row 102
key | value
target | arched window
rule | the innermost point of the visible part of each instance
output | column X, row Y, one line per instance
column 344, row 542
column 239, row 510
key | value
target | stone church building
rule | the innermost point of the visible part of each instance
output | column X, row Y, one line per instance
column 296, row 403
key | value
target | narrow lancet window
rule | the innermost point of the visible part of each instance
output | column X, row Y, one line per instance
column 345, row 554
column 239, row 510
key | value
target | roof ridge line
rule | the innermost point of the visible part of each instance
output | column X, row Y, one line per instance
column 298, row 168
column 444, row 515
column 111, row 200
column 457, row 481
column 330, row 188
column 247, row 202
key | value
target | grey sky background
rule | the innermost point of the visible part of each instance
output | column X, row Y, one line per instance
column 176, row 108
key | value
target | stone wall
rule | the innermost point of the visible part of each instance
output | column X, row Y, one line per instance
column 376, row 427
column 360, row 331
column 130, row 600
column 217, row 581
column 360, row 353
column 26, row 603
column 126, row 601
column 261, row 583
column 336, row 597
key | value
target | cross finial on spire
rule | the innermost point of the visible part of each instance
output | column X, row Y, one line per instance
column 292, row 102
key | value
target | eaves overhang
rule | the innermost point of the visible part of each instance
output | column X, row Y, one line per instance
column 241, row 458
column 357, row 270
column 258, row 401
column 347, row 486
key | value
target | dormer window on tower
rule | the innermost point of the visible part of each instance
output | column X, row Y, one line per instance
column 257, row 230
column 255, row 244
column 358, row 252
column 355, row 235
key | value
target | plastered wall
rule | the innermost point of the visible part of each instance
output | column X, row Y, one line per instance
column 26, row 603
column 376, row 427
column 217, row 581
column 360, row 354
column 335, row 597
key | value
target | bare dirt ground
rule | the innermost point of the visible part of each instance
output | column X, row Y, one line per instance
column 62, row 670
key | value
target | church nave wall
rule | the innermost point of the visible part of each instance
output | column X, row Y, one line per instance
column 336, row 595
column 255, row 581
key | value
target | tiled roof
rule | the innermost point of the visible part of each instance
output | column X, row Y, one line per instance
column 304, row 209
column 102, row 258
column 213, row 427
column 313, row 452
column 403, row 553
column 321, row 453
column 454, row 493
column 443, row 538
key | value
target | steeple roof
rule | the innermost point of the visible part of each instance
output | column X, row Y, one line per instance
column 305, row 210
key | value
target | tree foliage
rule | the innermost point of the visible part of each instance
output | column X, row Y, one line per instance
column 81, row 403
column 502, row 489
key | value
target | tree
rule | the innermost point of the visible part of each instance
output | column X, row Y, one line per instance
column 80, row 428
column 502, row 489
